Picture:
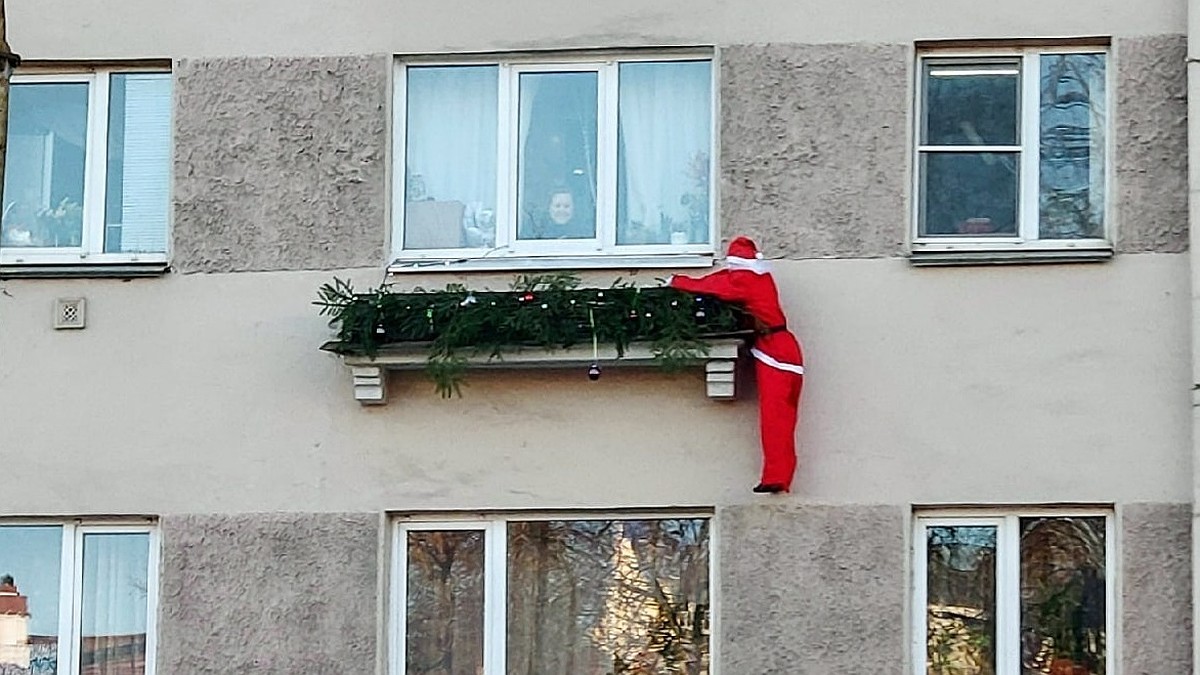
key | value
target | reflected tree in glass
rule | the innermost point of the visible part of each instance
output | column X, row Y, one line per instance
column 444, row 619
column 1063, row 596
column 1073, row 119
column 608, row 597
column 961, row 601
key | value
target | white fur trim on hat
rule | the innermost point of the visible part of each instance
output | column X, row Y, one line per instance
column 756, row 264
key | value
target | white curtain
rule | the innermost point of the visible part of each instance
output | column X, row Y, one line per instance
column 665, row 122
column 145, row 125
column 115, row 594
column 451, row 136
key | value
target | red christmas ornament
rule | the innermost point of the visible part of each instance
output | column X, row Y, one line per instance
column 779, row 361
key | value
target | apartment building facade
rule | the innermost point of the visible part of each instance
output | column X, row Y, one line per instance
column 977, row 218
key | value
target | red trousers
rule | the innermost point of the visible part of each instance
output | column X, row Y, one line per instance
column 778, row 409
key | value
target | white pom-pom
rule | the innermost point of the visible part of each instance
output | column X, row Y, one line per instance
column 758, row 255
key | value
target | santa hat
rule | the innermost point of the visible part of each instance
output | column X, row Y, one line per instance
column 743, row 254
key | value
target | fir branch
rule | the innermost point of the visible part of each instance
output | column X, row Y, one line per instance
column 546, row 310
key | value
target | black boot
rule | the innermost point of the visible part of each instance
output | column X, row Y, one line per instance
column 769, row 488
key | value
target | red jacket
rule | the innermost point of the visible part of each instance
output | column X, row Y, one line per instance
column 755, row 292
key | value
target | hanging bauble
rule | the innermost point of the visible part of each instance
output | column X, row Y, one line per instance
column 594, row 372
column 469, row 300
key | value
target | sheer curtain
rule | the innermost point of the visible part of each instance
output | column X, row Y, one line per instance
column 114, row 606
column 665, row 128
column 451, row 150
column 139, row 163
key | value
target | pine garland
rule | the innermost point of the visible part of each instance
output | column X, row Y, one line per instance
column 546, row 310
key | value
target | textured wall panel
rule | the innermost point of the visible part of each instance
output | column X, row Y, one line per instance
column 814, row 148
column 280, row 163
column 1156, row 625
column 1151, row 144
column 269, row 594
column 813, row 590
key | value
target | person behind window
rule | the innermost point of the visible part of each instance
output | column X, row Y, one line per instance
column 558, row 219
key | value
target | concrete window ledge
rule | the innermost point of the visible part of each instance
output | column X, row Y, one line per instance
column 941, row 257
column 83, row 270
column 370, row 373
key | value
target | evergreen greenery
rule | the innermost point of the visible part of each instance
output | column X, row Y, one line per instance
column 546, row 310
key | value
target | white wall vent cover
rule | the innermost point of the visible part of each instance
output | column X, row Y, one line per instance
column 70, row 313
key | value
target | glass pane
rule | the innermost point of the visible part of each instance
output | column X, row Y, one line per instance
column 450, row 157
column 961, row 600
column 1073, row 119
column 628, row 596
column 30, row 568
column 665, row 129
column 556, row 161
column 43, row 182
column 444, row 621
column 969, row 193
column 1063, row 596
column 115, row 604
column 139, row 163
column 972, row 103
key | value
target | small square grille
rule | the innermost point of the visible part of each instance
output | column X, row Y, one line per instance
column 70, row 313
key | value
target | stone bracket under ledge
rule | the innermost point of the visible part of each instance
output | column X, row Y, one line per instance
column 370, row 373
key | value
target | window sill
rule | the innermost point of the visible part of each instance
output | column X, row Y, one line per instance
column 107, row 270
column 500, row 264
column 370, row 373
column 943, row 255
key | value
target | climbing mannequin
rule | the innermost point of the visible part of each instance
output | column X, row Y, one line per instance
column 778, row 360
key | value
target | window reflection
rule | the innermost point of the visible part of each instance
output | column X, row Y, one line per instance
column 1063, row 596
column 626, row 596
column 1073, row 117
column 444, row 624
column 43, row 184
column 961, row 600
column 29, row 598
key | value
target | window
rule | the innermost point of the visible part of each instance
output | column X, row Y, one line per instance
column 1014, row 594
column 589, row 595
column 526, row 158
column 77, row 599
column 1012, row 150
column 88, row 168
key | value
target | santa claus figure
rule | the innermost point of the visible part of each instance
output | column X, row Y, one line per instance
column 778, row 361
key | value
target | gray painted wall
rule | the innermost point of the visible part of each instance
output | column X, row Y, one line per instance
column 1156, row 576
column 269, row 594
column 280, row 163
column 278, row 27
column 813, row 590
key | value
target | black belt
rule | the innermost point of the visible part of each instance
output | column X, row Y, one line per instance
column 769, row 330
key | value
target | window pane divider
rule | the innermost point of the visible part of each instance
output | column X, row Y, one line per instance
column 95, row 166
column 66, row 601
column 495, row 600
column 1029, row 194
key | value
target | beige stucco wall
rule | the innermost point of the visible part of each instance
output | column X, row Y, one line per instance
column 140, row 28
column 206, row 393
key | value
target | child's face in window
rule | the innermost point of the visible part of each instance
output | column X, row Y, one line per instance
column 562, row 208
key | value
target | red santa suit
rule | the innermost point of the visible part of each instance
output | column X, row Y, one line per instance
column 779, row 361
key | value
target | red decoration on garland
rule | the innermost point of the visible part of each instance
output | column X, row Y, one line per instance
column 779, row 361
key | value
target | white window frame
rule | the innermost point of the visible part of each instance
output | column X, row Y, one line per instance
column 95, row 177
column 1008, row 581
column 1028, row 188
column 508, row 253
column 495, row 582
column 70, row 591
